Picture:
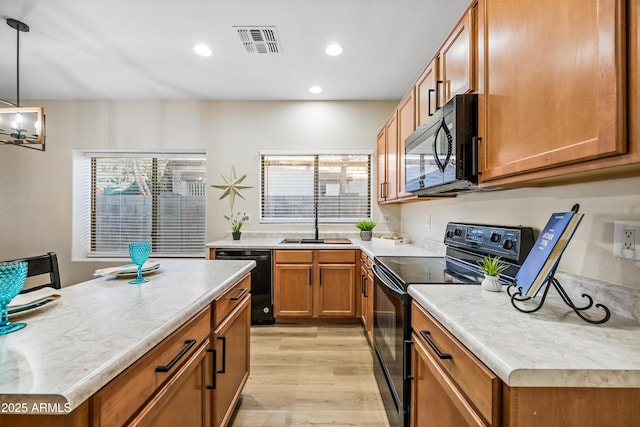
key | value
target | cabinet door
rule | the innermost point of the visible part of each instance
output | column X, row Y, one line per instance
column 435, row 400
column 426, row 93
column 231, row 341
column 335, row 293
column 564, row 104
column 456, row 59
column 382, row 166
column 293, row 290
column 406, row 126
column 391, row 136
column 184, row 400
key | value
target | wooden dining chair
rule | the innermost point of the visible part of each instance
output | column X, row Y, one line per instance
column 41, row 265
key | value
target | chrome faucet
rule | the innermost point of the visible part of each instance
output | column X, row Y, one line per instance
column 315, row 213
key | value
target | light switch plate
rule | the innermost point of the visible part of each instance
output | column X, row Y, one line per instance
column 626, row 239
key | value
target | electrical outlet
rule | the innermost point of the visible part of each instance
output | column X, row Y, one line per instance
column 629, row 240
column 427, row 221
column 625, row 243
column 384, row 219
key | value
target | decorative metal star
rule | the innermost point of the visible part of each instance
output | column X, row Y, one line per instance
column 232, row 186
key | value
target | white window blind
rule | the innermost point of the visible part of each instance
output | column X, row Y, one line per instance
column 292, row 183
column 154, row 197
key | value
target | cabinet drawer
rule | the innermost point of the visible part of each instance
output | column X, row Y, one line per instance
column 119, row 400
column 293, row 257
column 365, row 261
column 480, row 385
column 226, row 303
column 339, row 256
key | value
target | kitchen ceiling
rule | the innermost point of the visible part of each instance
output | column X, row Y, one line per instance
column 142, row 49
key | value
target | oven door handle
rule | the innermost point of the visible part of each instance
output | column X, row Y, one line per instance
column 387, row 282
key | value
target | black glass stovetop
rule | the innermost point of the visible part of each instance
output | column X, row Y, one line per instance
column 428, row 270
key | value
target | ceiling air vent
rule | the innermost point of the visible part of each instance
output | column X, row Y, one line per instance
column 259, row 39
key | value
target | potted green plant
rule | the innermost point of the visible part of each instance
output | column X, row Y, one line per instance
column 366, row 227
column 491, row 267
column 237, row 220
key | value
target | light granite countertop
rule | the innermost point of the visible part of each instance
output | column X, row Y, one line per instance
column 375, row 247
column 77, row 344
column 550, row 348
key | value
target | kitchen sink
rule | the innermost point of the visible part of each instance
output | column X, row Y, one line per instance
column 291, row 240
column 328, row 241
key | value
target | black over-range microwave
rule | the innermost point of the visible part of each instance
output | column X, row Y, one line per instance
column 441, row 156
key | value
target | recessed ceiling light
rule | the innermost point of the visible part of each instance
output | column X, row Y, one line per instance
column 202, row 50
column 315, row 89
column 333, row 50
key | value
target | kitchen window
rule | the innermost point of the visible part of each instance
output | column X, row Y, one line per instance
column 120, row 197
column 291, row 183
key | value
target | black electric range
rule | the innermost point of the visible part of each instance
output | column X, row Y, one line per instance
column 466, row 244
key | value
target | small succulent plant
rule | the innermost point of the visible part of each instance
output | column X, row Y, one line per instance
column 492, row 266
column 365, row 225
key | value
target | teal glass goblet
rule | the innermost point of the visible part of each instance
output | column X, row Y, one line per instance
column 139, row 253
column 13, row 274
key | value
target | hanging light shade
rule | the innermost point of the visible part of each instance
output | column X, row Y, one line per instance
column 21, row 126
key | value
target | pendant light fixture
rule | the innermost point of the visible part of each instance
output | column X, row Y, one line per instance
column 21, row 126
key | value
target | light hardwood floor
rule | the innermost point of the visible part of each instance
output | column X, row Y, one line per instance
column 305, row 375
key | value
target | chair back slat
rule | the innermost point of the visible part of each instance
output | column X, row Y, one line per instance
column 43, row 264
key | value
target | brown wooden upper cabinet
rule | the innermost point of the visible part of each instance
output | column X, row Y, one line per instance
column 391, row 150
column 406, row 125
column 426, row 92
column 456, row 60
column 552, row 86
column 388, row 160
column 450, row 72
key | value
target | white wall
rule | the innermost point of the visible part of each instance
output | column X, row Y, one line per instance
column 35, row 195
column 590, row 252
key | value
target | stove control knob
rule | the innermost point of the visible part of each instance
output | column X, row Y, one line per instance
column 449, row 234
column 457, row 232
column 508, row 244
column 495, row 237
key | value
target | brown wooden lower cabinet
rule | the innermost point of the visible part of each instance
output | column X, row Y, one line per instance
column 436, row 400
column 451, row 389
column 183, row 401
column 315, row 284
column 460, row 391
column 232, row 337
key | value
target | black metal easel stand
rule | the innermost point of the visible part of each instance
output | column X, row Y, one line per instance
column 518, row 297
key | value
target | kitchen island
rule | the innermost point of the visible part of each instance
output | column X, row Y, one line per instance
column 77, row 345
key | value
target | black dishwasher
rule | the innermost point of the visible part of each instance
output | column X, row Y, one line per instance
column 261, row 288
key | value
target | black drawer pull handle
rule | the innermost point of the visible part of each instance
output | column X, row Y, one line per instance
column 212, row 386
column 427, row 338
column 242, row 292
column 224, row 355
column 187, row 345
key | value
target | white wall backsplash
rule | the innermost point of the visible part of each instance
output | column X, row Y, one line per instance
column 589, row 254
